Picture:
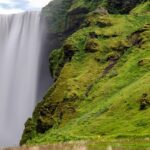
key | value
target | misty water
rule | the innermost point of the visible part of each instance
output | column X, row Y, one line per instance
column 21, row 60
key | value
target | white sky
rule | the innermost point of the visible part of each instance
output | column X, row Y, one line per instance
column 38, row 3
column 16, row 6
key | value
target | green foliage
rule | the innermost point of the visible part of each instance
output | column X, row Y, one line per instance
column 113, row 6
column 141, row 9
column 56, row 61
column 104, row 72
column 29, row 126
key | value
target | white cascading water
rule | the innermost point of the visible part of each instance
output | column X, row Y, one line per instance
column 20, row 50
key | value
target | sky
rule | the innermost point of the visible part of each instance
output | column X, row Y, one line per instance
column 16, row 6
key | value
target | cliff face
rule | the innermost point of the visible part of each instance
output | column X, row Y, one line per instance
column 101, row 69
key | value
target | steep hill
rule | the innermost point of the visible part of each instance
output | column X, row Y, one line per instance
column 101, row 70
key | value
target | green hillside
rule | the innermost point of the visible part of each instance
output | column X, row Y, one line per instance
column 101, row 71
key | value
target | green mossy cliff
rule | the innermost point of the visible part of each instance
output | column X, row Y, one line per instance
column 101, row 70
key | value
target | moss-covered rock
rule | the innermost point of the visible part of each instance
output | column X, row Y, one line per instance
column 69, row 51
column 92, row 45
column 56, row 62
column 28, row 132
column 145, row 62
column 141, row 9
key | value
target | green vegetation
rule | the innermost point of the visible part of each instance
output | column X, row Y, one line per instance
column 102, row 76
column 142, row 9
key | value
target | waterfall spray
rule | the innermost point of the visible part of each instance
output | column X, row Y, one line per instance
column 20, row 50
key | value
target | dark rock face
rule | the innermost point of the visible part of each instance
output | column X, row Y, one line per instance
column 121, row 6
column 69, row 51
column 91, row 46
column 75, row 19
column 137, row 38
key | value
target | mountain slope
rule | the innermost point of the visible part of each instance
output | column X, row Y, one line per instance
column 102, row 76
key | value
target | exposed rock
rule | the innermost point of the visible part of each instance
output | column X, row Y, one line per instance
column 69, row 51
column 103, row 24
column 93, row 35
column 140, row 37
column 102, row 35
column 109, row 67
column 113, row 56
column 43, row 124
column 91, row 46
column 144, row 102
column 144, row 62
column 136, row 39
column 101, row 11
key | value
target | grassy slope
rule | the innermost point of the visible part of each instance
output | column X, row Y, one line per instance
column 102, row 103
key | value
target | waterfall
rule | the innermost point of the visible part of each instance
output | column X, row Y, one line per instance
column 20, row 57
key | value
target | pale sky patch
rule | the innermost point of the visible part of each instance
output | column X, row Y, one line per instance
column 10, row 11
column 38, row 3
column 17, row 6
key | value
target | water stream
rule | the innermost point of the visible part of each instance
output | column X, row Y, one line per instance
column 21, row 39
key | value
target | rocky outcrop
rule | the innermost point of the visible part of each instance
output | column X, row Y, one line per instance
column 75, row 18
